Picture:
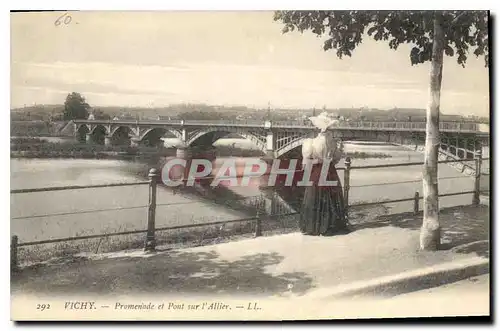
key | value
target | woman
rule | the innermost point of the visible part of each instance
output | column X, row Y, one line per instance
column 323, row 210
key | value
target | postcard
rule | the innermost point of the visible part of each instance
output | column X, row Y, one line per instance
column 249, row 165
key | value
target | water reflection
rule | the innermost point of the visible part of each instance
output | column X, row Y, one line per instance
column 237, row 190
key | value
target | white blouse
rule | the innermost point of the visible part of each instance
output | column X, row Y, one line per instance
column 323, row 147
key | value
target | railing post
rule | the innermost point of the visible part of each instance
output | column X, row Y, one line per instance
column 13, row 253
column 150, row 244
column 258, row 225
column 416, row 203
column 477, row 179
column 347, row 172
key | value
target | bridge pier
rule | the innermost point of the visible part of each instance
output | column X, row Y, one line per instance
column 135, row 141
column 80, row 137
column 89, row 138
column 183, row 153
column 457, row 147
column 108, row 141
column 270, row 143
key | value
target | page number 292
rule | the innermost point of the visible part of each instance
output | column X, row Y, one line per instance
column 42, row 306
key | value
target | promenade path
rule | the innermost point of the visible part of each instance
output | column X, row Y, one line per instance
column 273, row 266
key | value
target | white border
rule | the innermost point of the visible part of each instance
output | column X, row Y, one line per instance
column 184, row 5
column 252, row 5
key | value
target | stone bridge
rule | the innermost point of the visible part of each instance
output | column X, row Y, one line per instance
column 458, row 140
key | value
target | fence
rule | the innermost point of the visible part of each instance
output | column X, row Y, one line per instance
column 154, row 175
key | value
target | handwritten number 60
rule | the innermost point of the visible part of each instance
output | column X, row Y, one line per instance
column 66, row 21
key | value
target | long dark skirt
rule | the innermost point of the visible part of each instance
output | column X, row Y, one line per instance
column 323, row 211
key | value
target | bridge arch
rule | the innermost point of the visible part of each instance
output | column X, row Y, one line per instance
column 120, row 128
column 161, row 130
column 152, row 136
column 100, row 128
column 98, row 133
column 213, row 134
column 120, row 135
column 293, row 144
column 296, row 143
column 81, row 133
column 410, row 142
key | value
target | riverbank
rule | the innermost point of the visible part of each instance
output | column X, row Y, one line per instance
column 38, row 148
column 37, row 128
column 35, row 147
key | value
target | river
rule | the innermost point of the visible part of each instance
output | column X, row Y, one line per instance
column 32, row 213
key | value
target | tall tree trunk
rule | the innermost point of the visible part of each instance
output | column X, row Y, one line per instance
column 430, row 233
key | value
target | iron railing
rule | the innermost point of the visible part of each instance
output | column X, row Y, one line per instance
column 153, row 181
column 296, row 124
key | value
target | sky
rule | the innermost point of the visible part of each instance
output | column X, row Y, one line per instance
column 155, row 58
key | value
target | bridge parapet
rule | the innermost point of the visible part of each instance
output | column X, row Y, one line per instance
column 277, row 138
column 373, row 125
column 445, row 126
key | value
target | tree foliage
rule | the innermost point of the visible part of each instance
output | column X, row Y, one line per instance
column 432, row 34
column 75, row 107
column 465, row 31
column 100, row 115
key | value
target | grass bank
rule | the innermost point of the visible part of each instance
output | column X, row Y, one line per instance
column 177, row 238
column 37, row 148
column 36, row 128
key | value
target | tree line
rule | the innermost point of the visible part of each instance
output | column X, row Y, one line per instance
column 76, row 107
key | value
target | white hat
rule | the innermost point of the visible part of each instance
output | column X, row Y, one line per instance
column 323, row 122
